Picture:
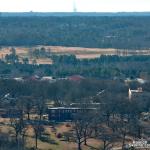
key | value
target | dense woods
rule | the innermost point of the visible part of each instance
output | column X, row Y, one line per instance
column 125, row 32
column 106, row 67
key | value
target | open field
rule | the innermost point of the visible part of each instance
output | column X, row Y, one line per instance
column 54, row 143
column 79, row 52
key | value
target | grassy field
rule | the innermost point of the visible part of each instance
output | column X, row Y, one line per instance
column 55, row 142
column 79, row 52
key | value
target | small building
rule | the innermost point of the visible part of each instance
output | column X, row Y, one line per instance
column 48, row 78
column 19, row 79
column 62, row 114
column 141, row 81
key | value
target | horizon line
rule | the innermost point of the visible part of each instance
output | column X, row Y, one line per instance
column 74, row 12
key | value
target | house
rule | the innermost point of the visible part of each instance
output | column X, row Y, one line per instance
column 19, row 79
column 48, row 78
column 140, row 80
column 132, row 93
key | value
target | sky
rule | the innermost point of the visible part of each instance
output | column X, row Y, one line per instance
column 68, row 5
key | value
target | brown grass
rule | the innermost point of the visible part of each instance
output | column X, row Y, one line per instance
column 80, row 52
column 61, row 145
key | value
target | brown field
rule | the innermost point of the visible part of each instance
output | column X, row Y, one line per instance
column 23, row 51
column 60, row 143
column 80, row 52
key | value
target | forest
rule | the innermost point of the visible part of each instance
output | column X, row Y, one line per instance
column 104, row 67
column 121, row 32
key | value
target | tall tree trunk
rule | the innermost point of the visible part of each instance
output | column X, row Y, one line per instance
column 108, row 118
column 28, row 115
column 85, row 138
column 79, row 146
column 23, row 141
column 139, row 132
column 104, row 145
column 85, row 141
column 36, row 138
column 16, row 137
column 40, row 116
column 123, row 141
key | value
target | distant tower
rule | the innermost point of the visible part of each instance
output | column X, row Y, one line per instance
column 74, row 7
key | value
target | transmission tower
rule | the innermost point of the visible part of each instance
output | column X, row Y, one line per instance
column 74, row 7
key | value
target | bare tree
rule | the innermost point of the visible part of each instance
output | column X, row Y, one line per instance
column 107, row 137
column 17, row 126
column 41, row 107
column 20, row 130
column 28, row 104
column 78, row 128
column 123, row 128
column 38, row 129
column 82, row 129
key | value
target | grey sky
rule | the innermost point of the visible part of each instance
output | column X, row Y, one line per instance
column 67, row 5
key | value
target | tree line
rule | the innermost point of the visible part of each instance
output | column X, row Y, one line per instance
column 106, row 67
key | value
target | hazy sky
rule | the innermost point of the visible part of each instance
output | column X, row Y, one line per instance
column 67, row 5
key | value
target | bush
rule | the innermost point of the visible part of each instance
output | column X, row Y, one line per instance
column 59, row 135
column 68, row 125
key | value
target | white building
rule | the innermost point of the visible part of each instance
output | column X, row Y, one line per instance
column 132, row 92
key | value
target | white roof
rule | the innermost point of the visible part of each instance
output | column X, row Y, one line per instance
column 56, row 108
